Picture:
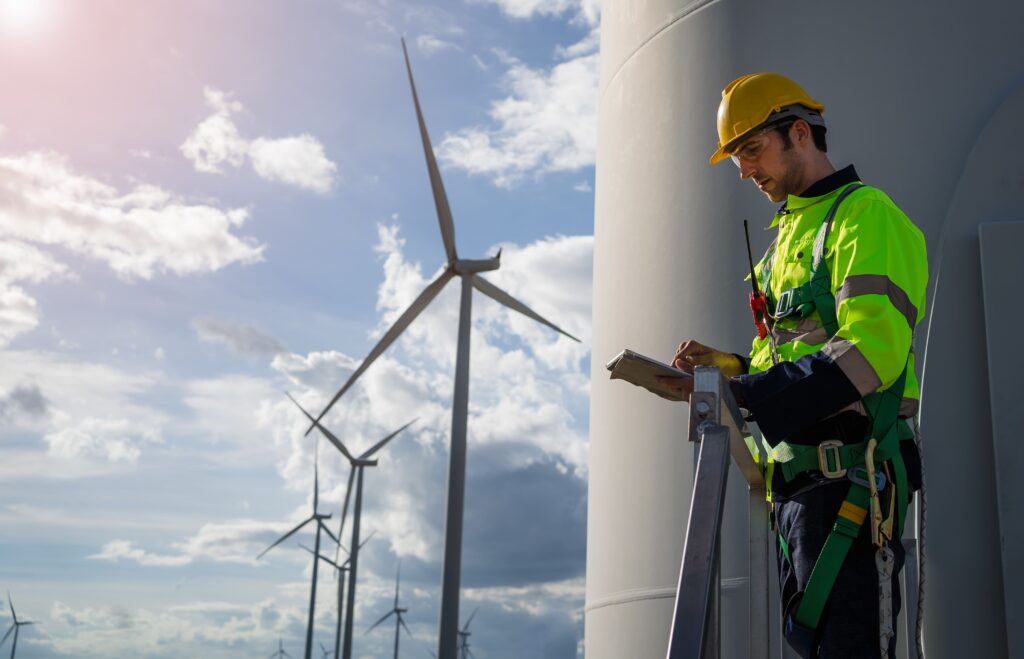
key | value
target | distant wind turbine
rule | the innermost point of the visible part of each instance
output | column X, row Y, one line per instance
column 326, row 652
column 395, row 611
column 358, row 464
column 280, row 650
column 470, row 271
column 318, row 518
column 464, row 634
column 342, row 571
column 18, row 624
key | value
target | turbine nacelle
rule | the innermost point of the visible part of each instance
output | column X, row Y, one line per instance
column 473, row 266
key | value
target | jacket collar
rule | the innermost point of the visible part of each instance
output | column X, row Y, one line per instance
column 817, row 190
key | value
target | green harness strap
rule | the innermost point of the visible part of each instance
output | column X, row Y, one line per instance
column 886, row 427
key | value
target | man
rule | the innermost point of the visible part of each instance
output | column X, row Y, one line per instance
column 832, row 384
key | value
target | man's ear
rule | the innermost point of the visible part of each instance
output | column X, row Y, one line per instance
column 800, row 133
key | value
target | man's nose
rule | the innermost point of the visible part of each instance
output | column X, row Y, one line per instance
column 746, row 169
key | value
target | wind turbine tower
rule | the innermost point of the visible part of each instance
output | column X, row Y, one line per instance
column 469, row 270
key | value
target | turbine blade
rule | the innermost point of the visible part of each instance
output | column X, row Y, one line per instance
column 402, row 620
column 344, row 511
column 7, row 634
column 444, row 213
column 398, row 578
column 495, row 293
column 14, row 642
column 368, row 538
column 285, row 537
column 316, row 475
column 327, row 433
column 379, row 445
column 389, row 614
column 328, row 531
column 11, row 604
column 285, row 654
column 465, row 628
column 409, row 315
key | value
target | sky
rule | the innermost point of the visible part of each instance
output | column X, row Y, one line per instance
column 207, row 204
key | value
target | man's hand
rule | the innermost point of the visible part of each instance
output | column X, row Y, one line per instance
column 691, row 354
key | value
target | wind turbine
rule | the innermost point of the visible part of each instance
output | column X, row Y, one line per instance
column 395, row 611
column 342, row 570
column 464, row 635
column 358, row 464
column 14, row 627
column 469, row 271
column 326, row 652
column 280, row 650
column 318, row 518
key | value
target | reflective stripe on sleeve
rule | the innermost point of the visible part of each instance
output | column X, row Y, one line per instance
column 853, row 364
column 855, row 285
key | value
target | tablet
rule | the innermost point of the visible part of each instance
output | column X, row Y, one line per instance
column 644, row 371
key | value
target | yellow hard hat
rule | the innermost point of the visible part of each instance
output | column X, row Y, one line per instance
column 752, row 100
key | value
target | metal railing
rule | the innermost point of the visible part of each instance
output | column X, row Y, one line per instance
column 717, row 425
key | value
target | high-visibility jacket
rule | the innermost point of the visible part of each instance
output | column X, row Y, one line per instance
column 879, row 272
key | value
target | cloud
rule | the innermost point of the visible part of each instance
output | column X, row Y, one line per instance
column 85, row 413
column 583, row 186
column 237, row 541
column 216, row 142
column 298, row 161
column 548, row 123
column 139, row 233
column 111, row 439
column 21, row 262
column 430, row 45
column 240, row 337
column 586, row 12
column 23, row 400
column 214, row 629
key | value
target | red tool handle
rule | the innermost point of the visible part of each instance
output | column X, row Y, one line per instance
column 759, row 308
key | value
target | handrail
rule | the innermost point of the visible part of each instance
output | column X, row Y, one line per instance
column 717, row 425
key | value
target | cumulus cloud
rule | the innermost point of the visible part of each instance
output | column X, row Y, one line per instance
column 111, row 439
column 22, row 262
column 548, row 123
column 587, row 12
column 237, row 541
column 216, row 142
column 138, row 233
column 242, row 338
column 86, row 413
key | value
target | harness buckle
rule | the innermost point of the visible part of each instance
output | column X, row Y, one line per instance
column 784, row 305
column 859, row 475
column 830, row 461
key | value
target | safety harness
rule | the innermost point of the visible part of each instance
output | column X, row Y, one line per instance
column 860, row 463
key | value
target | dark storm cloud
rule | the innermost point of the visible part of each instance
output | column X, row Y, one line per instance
column 25, row 400
column 523, row 525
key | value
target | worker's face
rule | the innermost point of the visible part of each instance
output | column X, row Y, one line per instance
column 775, row 169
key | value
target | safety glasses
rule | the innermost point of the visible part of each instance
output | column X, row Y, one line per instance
column 754, row 145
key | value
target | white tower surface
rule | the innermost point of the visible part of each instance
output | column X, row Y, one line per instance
column 928, row 103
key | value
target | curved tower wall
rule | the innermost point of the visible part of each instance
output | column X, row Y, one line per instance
column 908, row 97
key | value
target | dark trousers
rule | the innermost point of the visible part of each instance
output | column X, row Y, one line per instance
column 849, row 627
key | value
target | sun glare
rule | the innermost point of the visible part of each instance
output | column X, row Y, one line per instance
column 21, row 17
